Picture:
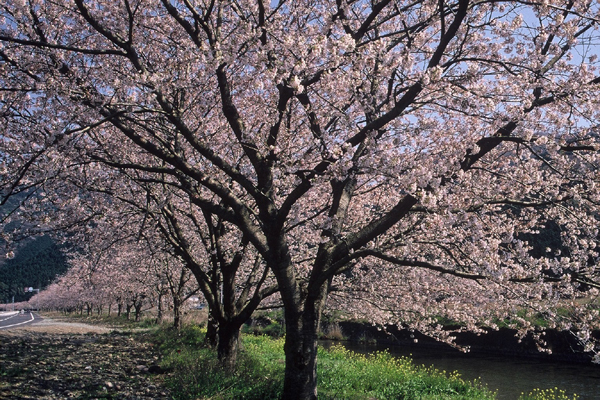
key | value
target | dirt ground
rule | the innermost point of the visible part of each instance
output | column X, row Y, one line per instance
column 56, row 359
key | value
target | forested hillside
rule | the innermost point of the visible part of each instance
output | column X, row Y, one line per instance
column 35, row 264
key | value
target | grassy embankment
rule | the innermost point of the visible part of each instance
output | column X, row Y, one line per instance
column 342, row 374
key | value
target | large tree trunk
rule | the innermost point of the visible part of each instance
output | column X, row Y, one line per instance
column 228, row 344
column 301, row 330
column 300, row 382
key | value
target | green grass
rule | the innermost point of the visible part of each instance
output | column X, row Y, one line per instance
column 342, row 374
column 348, row 375
column 197, row 373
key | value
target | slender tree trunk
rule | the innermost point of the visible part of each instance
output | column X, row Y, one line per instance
column 159, row 313
column 138, row 311
column 212, row 328
column 177, row 322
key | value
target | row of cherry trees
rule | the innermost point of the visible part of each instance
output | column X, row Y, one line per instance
column 93, row 286
column 122, row 278
column 406, row 159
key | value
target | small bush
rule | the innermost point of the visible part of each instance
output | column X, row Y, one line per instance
column 332, row 331
column 547, row 394
column 266, row 323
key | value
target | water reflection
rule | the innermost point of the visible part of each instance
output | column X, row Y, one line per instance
column 509, row 376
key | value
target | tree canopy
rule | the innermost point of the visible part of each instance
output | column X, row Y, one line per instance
column 401, row 153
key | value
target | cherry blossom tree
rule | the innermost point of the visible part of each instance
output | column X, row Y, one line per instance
column 110, row 208
column 174, row 282
column 231, row 275
column 414, row 144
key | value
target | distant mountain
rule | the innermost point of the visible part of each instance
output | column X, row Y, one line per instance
column 36, row 264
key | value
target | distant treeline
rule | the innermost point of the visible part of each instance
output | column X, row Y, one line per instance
column 35, row 264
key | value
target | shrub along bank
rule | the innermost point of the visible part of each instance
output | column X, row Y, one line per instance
column 196, row 373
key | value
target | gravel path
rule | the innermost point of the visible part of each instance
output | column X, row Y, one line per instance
column 49, row 325
column 64, row 360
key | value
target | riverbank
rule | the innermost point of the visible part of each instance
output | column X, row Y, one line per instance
column 54, row 361
column 159, row 363
column 342, row 374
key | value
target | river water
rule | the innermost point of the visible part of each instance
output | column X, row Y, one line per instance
column 508, row 376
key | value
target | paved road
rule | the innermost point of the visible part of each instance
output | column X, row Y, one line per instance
column 15, row 319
